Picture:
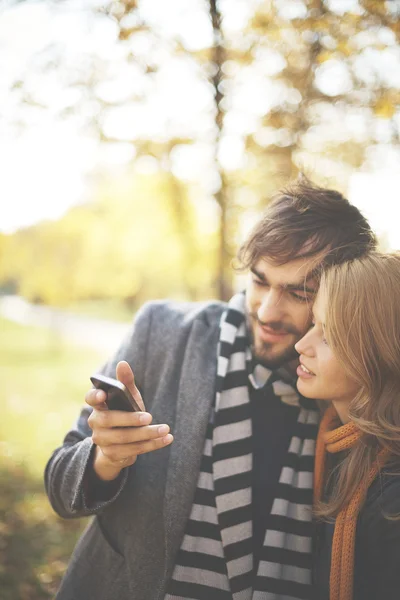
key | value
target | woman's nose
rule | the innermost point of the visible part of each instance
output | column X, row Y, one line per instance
column 305, row 345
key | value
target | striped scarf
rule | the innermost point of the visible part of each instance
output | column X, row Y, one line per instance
column 215, row 559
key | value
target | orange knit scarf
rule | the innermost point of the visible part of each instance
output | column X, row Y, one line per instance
column 334, row 438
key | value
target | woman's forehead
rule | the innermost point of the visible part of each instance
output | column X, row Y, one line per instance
column 319, row 306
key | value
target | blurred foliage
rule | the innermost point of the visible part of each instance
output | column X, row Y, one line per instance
column 332, row 91
column 322, row 102
column 42, row 390
column 138, row 239
column 300, row 85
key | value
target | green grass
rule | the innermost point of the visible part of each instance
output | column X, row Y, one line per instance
column 43, row 383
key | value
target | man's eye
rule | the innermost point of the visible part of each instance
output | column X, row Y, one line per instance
column 259, row 282
column 299, row 298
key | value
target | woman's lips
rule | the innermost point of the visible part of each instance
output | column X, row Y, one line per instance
column 304, row 373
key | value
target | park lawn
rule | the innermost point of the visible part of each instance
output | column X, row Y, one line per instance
column 43, row 382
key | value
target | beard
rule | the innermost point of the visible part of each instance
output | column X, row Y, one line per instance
column 267, row 353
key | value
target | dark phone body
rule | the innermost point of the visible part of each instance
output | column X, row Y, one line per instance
column 118, row 396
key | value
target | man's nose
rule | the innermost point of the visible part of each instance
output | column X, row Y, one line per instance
column 270, row 308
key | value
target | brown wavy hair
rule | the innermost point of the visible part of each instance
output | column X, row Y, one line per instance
column 362, row 327
column 305, row 220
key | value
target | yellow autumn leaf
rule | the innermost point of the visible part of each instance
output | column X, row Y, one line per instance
column 324, row 56
column 384, row 109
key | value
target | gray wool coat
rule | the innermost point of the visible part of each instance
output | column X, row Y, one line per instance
column 128, row 550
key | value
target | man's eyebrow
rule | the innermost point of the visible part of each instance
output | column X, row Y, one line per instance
column 258, row 274
column 300, row 287
column 295, row 286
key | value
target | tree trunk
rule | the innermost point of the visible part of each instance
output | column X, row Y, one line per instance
column 224, row 278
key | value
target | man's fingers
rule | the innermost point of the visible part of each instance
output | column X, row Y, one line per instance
column 125, row 375
column 118, row 452
column 118, row 418
column 96, row 399
column 128, row 435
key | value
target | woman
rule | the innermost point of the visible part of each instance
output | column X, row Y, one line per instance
column 351, row 358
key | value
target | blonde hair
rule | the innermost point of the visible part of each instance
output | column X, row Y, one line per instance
column 362, row 328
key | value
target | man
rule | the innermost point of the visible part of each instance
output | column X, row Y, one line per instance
column 224, row 510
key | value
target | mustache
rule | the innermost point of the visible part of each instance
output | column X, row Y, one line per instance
column 276, row 325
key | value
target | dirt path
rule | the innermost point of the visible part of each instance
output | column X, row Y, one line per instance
column 84, row 331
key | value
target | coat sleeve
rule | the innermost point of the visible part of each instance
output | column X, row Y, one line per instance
column 70, row 481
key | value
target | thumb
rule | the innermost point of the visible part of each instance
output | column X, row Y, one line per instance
column 125, row 375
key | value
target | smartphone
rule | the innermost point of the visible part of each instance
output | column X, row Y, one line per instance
column 118, row 396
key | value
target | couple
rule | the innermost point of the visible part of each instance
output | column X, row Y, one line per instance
column 264, row 491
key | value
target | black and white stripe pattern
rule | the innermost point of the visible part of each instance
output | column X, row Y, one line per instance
column 215, row 559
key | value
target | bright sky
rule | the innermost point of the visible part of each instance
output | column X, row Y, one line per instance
column 44, row 164
column 378, row 197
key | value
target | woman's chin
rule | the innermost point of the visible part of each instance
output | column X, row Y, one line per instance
column 306, row 388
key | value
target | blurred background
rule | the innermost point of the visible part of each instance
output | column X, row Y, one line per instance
column 139, row 142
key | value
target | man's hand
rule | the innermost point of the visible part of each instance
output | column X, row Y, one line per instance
column 121, row 436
